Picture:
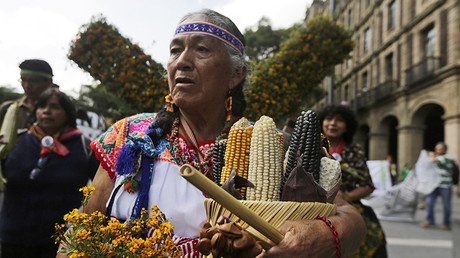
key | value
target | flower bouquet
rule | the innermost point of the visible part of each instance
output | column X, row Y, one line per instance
column 94, row 235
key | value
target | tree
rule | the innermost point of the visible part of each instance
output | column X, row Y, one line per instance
column 289, row 79
column 108, row 104
column 121, row 67
column 7, row 93
column 264, row 41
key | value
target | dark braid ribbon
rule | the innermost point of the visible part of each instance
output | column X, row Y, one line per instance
column 143, row 148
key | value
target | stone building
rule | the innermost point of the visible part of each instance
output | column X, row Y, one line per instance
column 403, row 77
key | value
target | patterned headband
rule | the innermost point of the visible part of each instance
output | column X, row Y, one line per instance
column 212, row 30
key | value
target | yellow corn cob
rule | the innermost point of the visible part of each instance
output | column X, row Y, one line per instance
column 264, row 162
column 237, row 152
column 9, row 131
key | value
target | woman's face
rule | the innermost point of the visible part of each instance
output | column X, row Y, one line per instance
column 199, row 72
column 334, row 127
column 51, row 117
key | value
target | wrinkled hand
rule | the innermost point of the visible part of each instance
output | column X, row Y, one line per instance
column 227, row 240
column 305, row 238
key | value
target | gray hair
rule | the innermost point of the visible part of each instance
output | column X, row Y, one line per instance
column 443, row 144
column 238, row 60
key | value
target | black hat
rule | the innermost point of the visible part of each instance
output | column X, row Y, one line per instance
column 36, row 67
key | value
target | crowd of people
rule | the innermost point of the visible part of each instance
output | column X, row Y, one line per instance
column 50, row 162
column 207, row 70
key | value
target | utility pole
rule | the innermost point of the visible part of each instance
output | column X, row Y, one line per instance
column 330, row 82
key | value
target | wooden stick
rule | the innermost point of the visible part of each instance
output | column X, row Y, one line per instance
column 230, row 203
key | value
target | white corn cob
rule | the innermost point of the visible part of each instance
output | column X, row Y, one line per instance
column 329, row 173
column 264, row 162
column 237, row 152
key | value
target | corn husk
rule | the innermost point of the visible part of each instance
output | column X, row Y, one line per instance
column 302, row 187
column 9, row 131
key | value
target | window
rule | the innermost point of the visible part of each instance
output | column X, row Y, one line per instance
column 429, row 41
column 348, row 63
column 392, row 15
column 368, row 3
column 367, row 40
column 364, row 82
column 350, row 18
column 345, row 93
column 389, row 62
column 429, row 44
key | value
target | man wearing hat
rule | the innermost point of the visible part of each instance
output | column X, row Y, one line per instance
column 36, row 77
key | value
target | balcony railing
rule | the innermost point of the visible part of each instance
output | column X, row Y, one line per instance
column 368, row 97
column 423, row 70
column 385, row 89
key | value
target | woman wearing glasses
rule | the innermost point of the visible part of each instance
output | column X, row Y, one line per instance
column 44, row 173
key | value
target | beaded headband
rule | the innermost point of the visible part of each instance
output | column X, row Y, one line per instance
column 212, row 30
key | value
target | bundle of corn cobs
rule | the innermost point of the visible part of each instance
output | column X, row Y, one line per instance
column 251, row 165
column 255, row 152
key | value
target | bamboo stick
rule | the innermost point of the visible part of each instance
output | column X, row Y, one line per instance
column 229, row 202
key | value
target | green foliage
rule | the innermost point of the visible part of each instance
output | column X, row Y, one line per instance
column 289, row 79
column 264, row 41
column 7, row 93
column 121, row 67
column 108, row 104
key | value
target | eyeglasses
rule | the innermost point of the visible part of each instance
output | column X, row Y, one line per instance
column 36, row 171
column 31, row 81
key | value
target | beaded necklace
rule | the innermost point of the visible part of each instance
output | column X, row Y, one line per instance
column 203, row 166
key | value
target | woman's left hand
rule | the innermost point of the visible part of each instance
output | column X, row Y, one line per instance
column 306, row 238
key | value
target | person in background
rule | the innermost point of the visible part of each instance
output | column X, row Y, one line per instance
column 405, row 171
column 45, row 172
column 206, row 74
column 338, row 126
column 393, row 170
column 445, row 164
column 36, row 77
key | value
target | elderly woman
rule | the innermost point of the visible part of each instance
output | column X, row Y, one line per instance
column 206, row 73
column 45, row 172
column 339, row 126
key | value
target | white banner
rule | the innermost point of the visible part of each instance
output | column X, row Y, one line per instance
column 427, row 173
column 400, row 201
column 380, row 174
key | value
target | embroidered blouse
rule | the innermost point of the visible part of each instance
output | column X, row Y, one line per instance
column 180, row 201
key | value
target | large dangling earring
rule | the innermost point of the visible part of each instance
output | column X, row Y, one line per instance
column 169, row 103
column 228, row 107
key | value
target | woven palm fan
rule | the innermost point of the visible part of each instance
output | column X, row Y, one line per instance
column 275, row 213
column 260, row 218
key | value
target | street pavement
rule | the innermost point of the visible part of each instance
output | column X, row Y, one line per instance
column 409, row 239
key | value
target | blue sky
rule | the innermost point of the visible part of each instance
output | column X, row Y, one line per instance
column 43, row 29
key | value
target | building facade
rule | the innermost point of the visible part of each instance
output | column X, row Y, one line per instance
column 403, row 77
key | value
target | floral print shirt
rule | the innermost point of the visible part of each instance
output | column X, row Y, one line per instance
column 354, row 169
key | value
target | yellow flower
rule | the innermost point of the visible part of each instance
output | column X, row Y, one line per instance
column 87, row 190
